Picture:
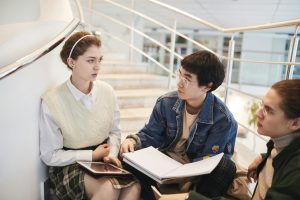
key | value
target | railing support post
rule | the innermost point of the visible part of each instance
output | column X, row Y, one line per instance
column 292, row 55
column 132, row 34
column 171, row 65
column 229, row 67
column 91, row 3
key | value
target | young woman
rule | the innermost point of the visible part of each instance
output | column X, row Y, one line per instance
column 80, row 121
column 278, row 171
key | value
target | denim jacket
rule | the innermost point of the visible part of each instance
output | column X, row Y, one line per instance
column 214, row 130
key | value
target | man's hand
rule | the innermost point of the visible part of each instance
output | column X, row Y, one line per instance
column 252, row 169
column 127, row 146
column 113, row 160
column 100, row 152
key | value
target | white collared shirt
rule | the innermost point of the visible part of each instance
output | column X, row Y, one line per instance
column 51, row 139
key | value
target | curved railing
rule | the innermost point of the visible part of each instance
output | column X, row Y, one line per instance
column 21, row 63
column 57, row 40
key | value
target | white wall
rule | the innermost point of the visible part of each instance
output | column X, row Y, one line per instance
column 21, row 169
column 22, row 172
column 16, row 11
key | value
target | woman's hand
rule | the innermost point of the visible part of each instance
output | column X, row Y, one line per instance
column 252, row 169
column 100, row 152
column 113, row 160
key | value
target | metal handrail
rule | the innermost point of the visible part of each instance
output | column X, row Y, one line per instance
column 79, row 8
column 294, row 22
column 160, row 24
column 274, row 25
column 138, row 50
column 136, row 31
column 30, row 58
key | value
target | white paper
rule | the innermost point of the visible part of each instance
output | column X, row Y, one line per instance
column 153, row 161
column 196, row 168
column 160, row 166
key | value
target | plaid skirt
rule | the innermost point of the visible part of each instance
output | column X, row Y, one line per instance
column 68, row 182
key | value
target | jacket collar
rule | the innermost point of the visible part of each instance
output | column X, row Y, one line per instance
column 206, row 114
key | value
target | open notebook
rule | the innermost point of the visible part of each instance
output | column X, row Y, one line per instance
column 162, row 168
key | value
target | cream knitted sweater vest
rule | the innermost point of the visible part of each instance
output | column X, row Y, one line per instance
column 80, row 126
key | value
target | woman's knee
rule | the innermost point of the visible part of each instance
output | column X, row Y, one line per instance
column 133, row 192
column 99, row 187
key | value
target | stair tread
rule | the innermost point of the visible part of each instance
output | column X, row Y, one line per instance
column 141, row 76
column 133, row 113
column 122, row 63
column 244, row 155
column 140, row 92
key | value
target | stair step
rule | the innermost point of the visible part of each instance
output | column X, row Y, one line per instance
column 124, row 134
column 133, row 119
column 129, row 81
column 135, row 113
column 132, row 98
column 243, row 155
column 121, row 68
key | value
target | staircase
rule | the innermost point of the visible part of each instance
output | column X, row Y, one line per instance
column 136, row 91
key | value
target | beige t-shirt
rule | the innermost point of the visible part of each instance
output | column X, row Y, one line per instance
column 178, row 152
column 265, row 178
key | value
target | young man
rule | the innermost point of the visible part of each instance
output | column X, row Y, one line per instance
column 190, row 124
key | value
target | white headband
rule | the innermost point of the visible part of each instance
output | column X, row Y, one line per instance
column 77, row 43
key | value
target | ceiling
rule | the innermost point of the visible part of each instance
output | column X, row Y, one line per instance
column 235, row 13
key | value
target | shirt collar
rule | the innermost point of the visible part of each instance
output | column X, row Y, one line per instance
column 206, row 113
column 78, row 95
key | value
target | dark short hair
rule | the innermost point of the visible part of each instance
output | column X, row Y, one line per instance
column 289, row 91
column 207, row 67
column 80, row 47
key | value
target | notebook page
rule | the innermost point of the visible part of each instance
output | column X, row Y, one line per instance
column 196, row 168
column 153, row 161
